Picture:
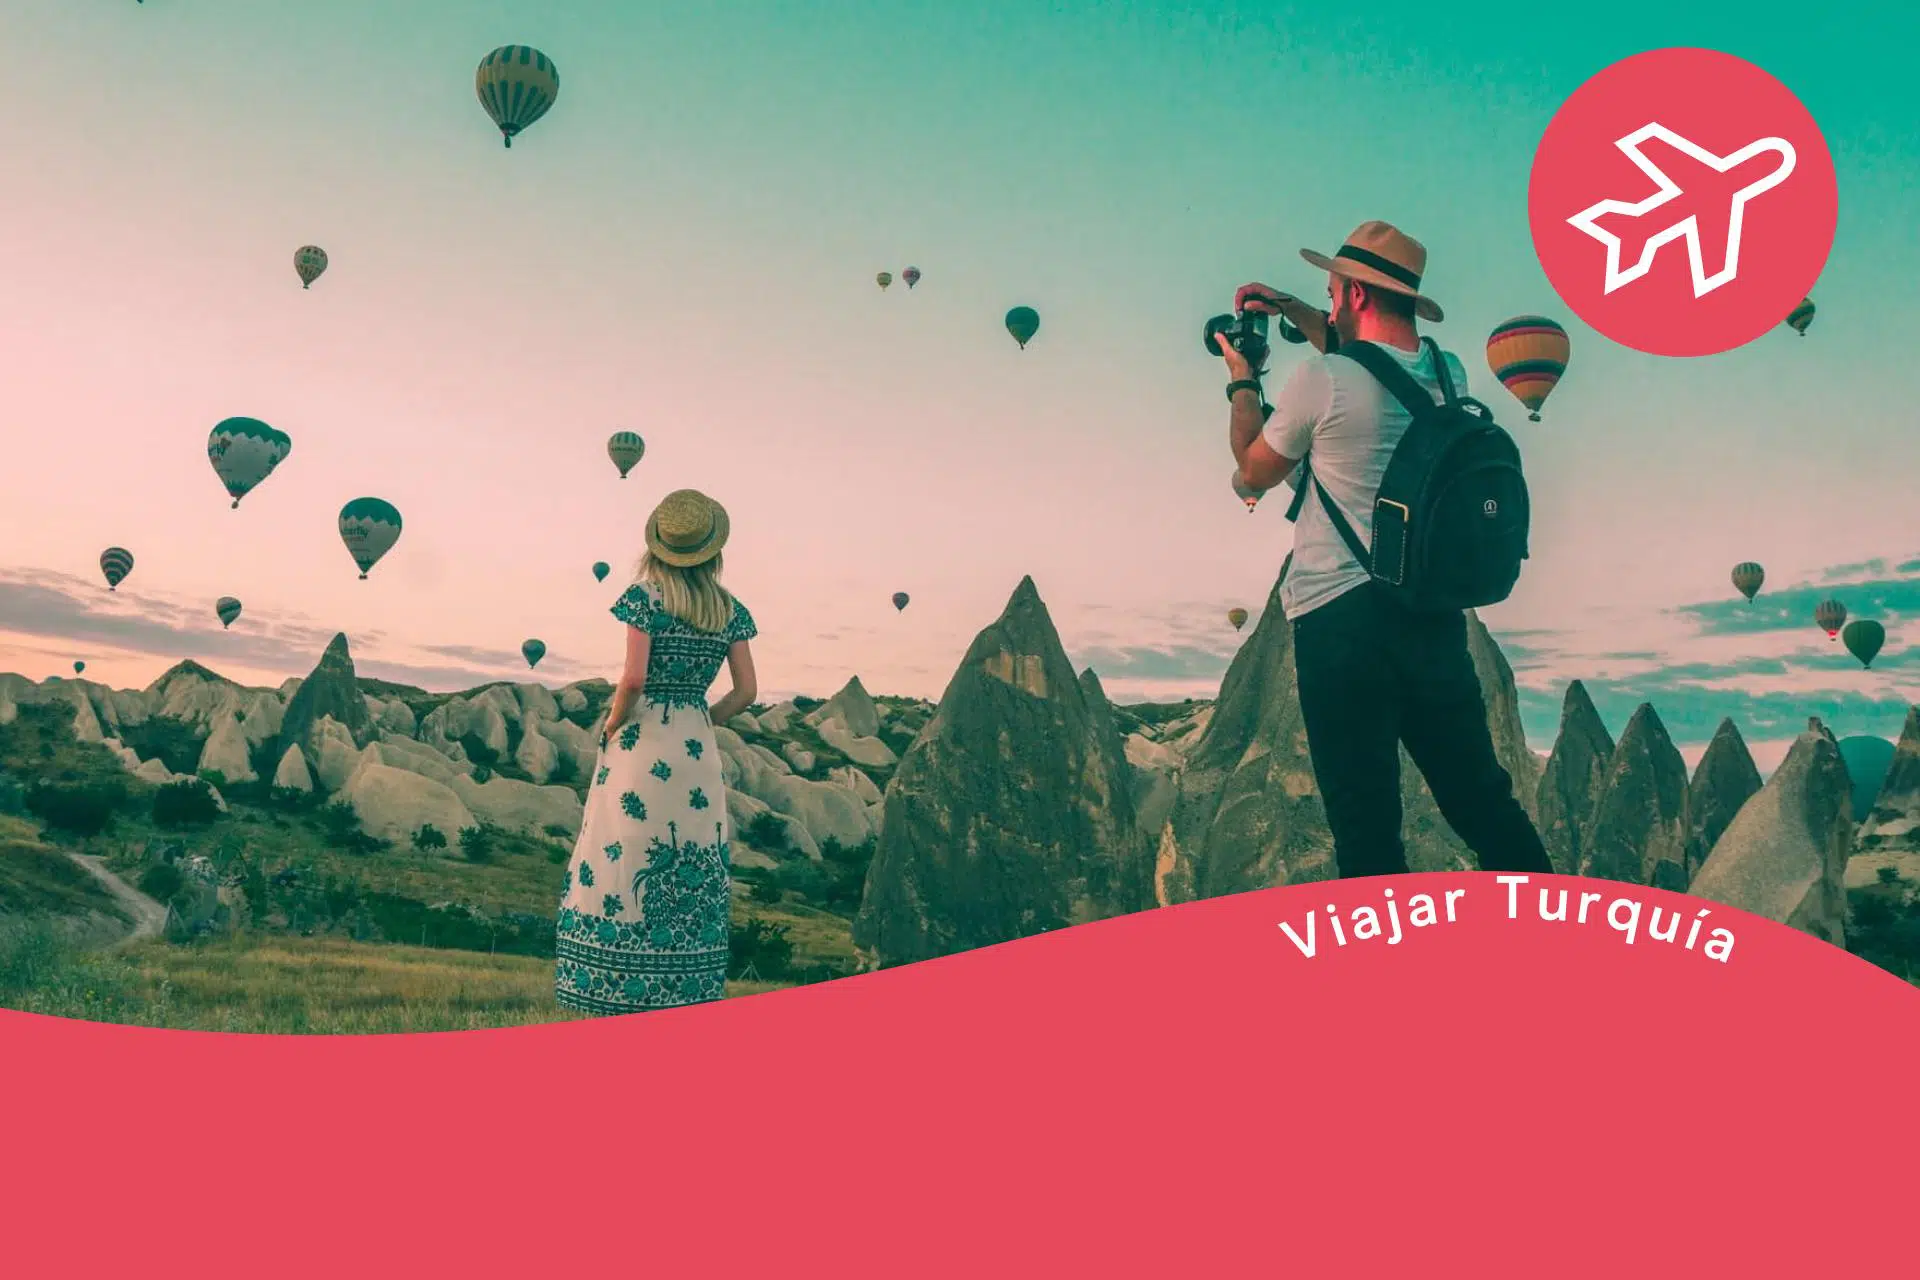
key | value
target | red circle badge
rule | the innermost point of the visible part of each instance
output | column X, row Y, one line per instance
column 1682, row 202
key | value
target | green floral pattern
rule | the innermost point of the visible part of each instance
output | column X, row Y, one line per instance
column 653, row 933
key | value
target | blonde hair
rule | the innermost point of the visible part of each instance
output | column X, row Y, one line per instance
column 692, row 594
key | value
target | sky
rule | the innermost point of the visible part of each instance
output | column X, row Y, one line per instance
column 685, row 246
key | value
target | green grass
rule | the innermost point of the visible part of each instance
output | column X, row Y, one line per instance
column 38, row 879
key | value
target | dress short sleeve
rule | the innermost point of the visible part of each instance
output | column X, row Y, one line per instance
column 637, row 607
column 740, row 626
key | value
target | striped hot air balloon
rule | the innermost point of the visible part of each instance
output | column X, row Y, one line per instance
column 517, row 84
column 1529, row 355
column 309, row 260
column 369, row 527
column 244, row 451
column 911, row 275
column 115, row 564
column 1023, row 323
column 1863, row 640
column 1747, row 577
column 884, row 279
column 1238, row 617
column 1831, row 615
column 226, row 608
column 533, row 651
column 1801, row 316
column 626, row 449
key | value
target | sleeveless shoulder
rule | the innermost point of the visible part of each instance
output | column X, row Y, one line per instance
column 740, row 626
column 639, row 607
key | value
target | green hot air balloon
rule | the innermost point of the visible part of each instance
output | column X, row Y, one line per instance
column 1863, row 638
column 1023, row 323
column 600, row 570
column 244, row 451
column 226, row 608
column 899, row 600
column 517, row 85
column 78, row 667
column 1747, row 577
column 369, row 527
column 626, row 449
column 1238, row 617
column 533, row 651
column 884, row 279
column 115, row 564
column 309, row 260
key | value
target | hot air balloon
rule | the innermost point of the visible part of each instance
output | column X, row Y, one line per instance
column 516, row 84
column 911, row 275
column 115, row 564
column 1529, row 354
column 227, row 609
column 1243, row 493
column 78, row 667
column 899, row 600
column 1747, row 577
column 244, row 451
column 600, row 570
column 369, row 527
column 884, row 279
column 1830, row 614
column 1238, row 617
column 626, row 450
column 1023, row 323
column 1863, row 640
column 1801, row 316
column 533, row 651
column 309, row 260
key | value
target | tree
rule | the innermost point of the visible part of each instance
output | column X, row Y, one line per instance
column 476, row 843
column 429, row 837
column 81, row 808
column 188, row 802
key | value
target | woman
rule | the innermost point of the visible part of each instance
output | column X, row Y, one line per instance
column 644, row 912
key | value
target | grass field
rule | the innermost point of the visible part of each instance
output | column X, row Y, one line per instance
column 37, row 879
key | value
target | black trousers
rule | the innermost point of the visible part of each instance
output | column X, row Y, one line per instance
column 1372, row 676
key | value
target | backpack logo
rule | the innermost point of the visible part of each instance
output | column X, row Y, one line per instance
column 1489, row 508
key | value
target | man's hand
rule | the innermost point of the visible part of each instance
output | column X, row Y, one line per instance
column 1261, row 298
column 1238, row 370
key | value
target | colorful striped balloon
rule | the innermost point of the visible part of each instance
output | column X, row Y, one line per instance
column 517, row 85
column 244, row 451
column 1747, row 577
column 369, row 527
column 309, row 260
column 1830, row 615
column 1801, row 316
column 626, row 449
column 115, row 564
column 911, row 275
column 226, row 608
column 1529, row 355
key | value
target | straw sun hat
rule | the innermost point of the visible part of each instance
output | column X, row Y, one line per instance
column 1381, row 255
column 687, row 528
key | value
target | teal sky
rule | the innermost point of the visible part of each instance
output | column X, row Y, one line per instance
column 685, row 246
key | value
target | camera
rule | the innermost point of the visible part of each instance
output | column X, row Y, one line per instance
column 1247, row 332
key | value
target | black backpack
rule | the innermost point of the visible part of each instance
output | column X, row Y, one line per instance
column 1451, row 518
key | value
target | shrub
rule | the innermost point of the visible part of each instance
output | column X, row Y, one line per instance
column 341, row 824
column 173, row 742
column 754, row 944
column 188, row 802
column 765, row 890
column 215, row 779
column 429, row 837
column 13, row 794
column 768, row 832
column 558, row 831
column 81, row 808
column 160, row 881
column 476, row 843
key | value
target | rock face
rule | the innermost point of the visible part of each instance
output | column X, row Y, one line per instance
column 1013, row 811
column 1248, row 813
column 1575, row 775
column 852, row 707
column 1641, row 820
column 393, row 803
column 1724, row 781
column 331, row 692
column 1890, row 837
column 1784, row 856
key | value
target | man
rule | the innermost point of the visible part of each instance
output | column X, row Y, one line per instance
column 1372, row 674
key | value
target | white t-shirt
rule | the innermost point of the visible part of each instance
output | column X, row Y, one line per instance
column 1336, row 414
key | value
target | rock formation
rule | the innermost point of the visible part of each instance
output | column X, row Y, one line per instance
column 1574, row 777
column 1724, row 781
column 331, row 692
column 1784, row 856
column 1641, row 819
column 1248, row 813
column 1890, row 837
column 1013, row 811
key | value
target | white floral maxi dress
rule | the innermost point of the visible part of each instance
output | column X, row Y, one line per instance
column 645, row 906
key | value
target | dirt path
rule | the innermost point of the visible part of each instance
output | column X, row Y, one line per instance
column 149, row 917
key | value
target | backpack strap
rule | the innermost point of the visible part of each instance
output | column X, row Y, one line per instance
column 1393, row 375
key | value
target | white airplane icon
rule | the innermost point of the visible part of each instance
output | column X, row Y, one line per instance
column 1588, row 219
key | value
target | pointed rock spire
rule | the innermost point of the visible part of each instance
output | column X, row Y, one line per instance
column 1641, row 820
column 1574, row 777
column 1722, row 783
